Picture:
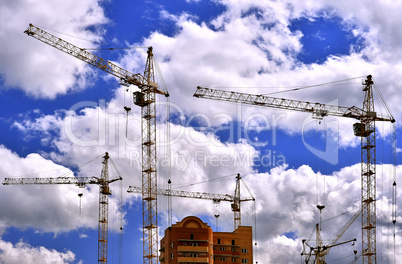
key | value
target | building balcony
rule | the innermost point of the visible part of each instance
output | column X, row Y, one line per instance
column 226, row 245
column 191, row 240
column 192, row 260
column 192, row 249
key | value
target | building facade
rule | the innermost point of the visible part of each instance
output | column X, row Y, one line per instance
column 193, row 241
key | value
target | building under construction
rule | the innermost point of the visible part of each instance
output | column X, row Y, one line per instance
column 193, row 241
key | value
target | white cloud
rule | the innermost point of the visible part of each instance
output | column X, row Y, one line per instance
column 236, row 49
column 250, row 45
column 22, row 252
column 53, row 73
column 59, row 209
column 286, row 198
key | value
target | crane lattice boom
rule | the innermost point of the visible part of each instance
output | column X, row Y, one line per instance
column 318, row 110
column 104, row 192
column 365, row 129
column 79, row 181
column 82, row 54
column 187, row 194
column 146, row 100
column 235, row 200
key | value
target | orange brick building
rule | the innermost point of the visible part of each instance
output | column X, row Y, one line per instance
column 193, row 241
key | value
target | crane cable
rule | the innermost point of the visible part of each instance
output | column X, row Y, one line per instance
column 120, row 243
column 255, row 230
column 383, row 100
column 166, row 136
column 291, row 88
column 210, row 180
column 312, row 86
column 95, row 42
column 394, row 187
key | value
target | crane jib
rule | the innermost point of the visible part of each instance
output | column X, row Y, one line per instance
column 317, row 109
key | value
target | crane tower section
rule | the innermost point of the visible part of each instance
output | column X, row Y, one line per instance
column 368, row 173
column 145, row 98
column 365, row 129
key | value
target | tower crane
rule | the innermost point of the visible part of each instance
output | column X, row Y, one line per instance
column 145, row 98
column 234, row 200
column 320, row 251
column 365, row 129
column 104, row 192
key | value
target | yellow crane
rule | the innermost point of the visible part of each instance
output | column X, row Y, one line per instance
column 317, row 254
column 145, row 98
column 104, row 192
column 235, row 199
column 365, row 129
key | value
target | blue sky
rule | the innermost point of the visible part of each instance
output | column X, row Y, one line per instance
column 59, row 113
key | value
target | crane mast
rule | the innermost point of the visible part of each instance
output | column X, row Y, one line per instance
column 364, row 129
column 368, row 174
column 145, row 98
column 236, row 204
column 104, row 192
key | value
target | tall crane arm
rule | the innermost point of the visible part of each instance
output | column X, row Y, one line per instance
column 343, row 230
column 186, row 194
column 318, row 110
column 146, row 100
column 82, row 54
column 80, row 181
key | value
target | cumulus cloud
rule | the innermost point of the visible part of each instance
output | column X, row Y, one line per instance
column 22, row 252
column 59, row 210
column 76, row 135
column 54, row 73
column 250, row 45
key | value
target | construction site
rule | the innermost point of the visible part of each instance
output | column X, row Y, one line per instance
column 212, row 237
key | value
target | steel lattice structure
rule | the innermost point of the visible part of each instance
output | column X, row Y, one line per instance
column 368, row 176
column 149, row 167
column 146, row 100
column 104, row 192
column 235, row 200
column 365, row 129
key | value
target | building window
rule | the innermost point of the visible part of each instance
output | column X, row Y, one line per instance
column 233, row 242
column 244, row 250
column 222, row 248
column 184, row 244
column 223, row 259
column 233, row 249
column 219, row 240
column 171, row 256
column 194, row 244
column 171, row 245
column 233, row 259
column 193, row 255
column 244, row 260
column 191, row 236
